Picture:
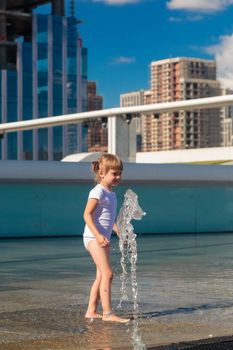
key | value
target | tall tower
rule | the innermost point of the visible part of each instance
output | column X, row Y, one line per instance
column 42, row 73
column 72, row 8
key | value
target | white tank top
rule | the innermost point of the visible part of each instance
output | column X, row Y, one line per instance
column 104, row 214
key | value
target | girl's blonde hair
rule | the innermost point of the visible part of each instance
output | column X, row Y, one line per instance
column 105, row 163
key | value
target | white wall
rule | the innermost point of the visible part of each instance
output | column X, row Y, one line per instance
column 184, row 156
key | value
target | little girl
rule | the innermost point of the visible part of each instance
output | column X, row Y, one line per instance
column 99, row 215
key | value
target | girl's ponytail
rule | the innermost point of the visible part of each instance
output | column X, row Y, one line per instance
column 95, row 166
column 95, row 169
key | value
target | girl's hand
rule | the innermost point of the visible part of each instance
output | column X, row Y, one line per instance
column 103, row 241
column 116, row 229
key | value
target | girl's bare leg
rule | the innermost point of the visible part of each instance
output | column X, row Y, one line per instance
column 101, row 257
column 94, row 298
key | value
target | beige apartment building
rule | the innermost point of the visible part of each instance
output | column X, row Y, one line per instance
column 135, row 98
column 182, row 79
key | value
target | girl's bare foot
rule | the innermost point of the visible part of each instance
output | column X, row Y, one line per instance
column 92, row 315
column 110, row 317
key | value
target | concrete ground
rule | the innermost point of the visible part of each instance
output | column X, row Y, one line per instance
column 220, row 343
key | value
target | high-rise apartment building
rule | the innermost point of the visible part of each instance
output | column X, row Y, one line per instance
column 42, row 73
column 97, row 133
column 182, row 79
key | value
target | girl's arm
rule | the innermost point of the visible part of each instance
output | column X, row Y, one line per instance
column 91, row 204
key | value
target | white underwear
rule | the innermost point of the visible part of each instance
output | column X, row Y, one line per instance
column 87, row 240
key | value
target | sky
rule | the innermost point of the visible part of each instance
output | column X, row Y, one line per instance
column 124, row 36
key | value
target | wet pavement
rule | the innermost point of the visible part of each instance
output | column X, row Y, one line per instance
column 185, row 289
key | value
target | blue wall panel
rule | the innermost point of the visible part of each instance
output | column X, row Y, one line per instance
column 44, row 209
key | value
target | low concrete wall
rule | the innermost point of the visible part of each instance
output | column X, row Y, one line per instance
column 51, row 171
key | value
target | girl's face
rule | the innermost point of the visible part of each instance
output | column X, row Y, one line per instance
column 111, row 178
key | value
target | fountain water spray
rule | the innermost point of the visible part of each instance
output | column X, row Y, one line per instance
column 128, row 248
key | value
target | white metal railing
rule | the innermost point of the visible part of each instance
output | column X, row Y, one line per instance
column 208, row 102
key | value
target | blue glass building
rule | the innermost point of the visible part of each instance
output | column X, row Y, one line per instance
column 47, row 77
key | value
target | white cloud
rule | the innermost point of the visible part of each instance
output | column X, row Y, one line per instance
column 175, row 19
column 189, row 18
column 223, row 53
column 193, row 18
column 117, row 2
column 199, row 5
column 122, row 60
